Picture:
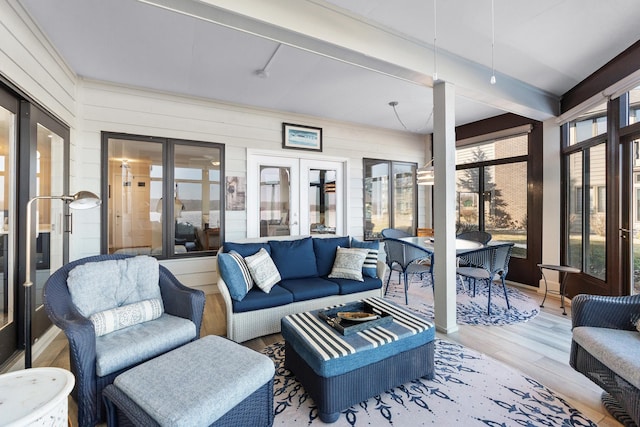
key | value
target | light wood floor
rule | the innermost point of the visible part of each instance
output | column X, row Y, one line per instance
column 539, row 348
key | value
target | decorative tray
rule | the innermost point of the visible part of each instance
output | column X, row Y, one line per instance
column 354, row 317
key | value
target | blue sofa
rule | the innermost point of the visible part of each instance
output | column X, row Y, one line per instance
column 304, row 264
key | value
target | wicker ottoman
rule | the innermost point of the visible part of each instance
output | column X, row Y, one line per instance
column 339, row 371
column 211, row 381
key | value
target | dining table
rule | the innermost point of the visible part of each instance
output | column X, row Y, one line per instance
column 462, row 246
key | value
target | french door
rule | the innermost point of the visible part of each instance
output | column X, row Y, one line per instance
column 9, row 311
column 33, row 162
column 630, row 208
column 290, row 196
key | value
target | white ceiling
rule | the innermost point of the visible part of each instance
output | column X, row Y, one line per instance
column 345, row 59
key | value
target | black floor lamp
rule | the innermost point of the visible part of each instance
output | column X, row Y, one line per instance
column 80, row 200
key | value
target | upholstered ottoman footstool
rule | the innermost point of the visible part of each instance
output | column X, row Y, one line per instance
column 211, row 381
column 339, row 371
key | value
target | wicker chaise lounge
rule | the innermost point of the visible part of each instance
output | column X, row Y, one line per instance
column 606, row 349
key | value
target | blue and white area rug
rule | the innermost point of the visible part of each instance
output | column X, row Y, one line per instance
column 469, row 389
column 470, row 310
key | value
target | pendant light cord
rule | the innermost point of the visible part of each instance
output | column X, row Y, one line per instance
column 493, row 42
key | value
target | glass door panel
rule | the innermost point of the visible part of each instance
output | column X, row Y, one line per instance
column 8, row 339
column 197, row 178
column 376, row 198
column 467, row 200
column 135, row 197
column 576, row 203
column 322, row 197
column 50, row 214
column 505, row 205
column 322, row 201
column 404, row 197
column 634, row 224
column 275, row 201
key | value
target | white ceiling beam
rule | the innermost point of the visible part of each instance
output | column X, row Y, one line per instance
column 324, row 31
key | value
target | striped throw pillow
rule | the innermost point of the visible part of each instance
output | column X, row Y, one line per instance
column 235, row 273
column 370, row 266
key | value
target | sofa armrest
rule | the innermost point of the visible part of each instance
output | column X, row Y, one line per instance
column 612, row 312
column 180, row 300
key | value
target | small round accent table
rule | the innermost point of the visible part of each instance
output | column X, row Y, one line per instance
column 562, row 269
column 35, row 397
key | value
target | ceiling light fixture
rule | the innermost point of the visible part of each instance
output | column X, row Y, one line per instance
column 493, row 42
column 393, row 105
column 426, row 174
column 263, row 73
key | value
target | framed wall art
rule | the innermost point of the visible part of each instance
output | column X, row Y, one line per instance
column 299, row 137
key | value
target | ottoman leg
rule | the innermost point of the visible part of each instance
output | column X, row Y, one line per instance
column 329, row 418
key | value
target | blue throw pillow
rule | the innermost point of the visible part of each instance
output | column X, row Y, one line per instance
column 295, row 259
column 246, row 249
column 370, row 267
column 325, row 250
column 235, row 273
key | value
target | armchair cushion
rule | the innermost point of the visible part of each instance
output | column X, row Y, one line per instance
column 100, row 286
column 617, row 349
column 118, row 318
column 115, row 351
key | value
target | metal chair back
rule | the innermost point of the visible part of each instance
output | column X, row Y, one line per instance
column 476, row 236
column 394, row 233
column 403, row 257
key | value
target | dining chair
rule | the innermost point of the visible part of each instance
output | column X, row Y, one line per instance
column 394, row 233
column 486, row 264
column 476, row 236
column 403, row 257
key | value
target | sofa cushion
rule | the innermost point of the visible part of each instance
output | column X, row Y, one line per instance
column 118, row 318
column 236, row 274
column 348, row 263
column 115, row 352
column 348, row 286
column 325, row 250
column 103, row 285
column 263, row 270
column 256, row 299
column 295, row 259
column 617, row 349
column 246, row 249
column 310, row 288
column 370, row 266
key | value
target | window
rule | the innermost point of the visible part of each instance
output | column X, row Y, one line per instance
column 161, row 187
column 390, row 197
column 591, row 123
column 586, row 171
column 492, row 189
column 634, row 106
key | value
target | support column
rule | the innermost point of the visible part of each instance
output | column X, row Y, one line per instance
column 444, row 153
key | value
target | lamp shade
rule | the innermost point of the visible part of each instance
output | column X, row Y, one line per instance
column 84, row 200
column 425, row 175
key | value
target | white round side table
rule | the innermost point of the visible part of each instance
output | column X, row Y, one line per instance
column 35, row 397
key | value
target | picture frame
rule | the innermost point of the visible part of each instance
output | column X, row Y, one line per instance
column 300, row 137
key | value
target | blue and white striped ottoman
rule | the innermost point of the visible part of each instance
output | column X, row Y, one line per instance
column 339, row 371
column 210, row 381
